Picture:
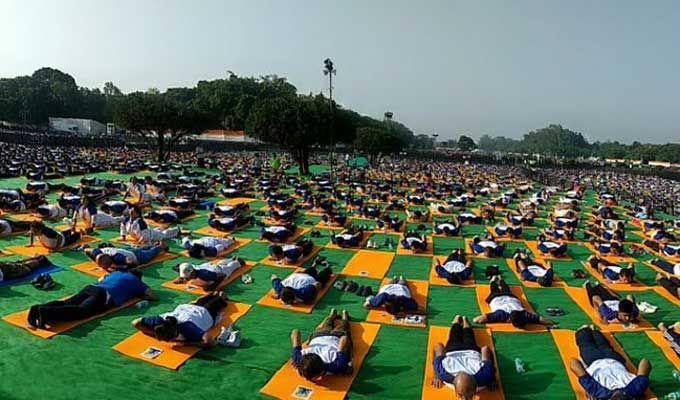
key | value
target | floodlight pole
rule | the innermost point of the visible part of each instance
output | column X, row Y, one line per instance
column 330, row 70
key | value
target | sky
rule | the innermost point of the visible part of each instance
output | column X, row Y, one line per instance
column 609, row 69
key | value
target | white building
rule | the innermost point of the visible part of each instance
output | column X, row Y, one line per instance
column 77, row 126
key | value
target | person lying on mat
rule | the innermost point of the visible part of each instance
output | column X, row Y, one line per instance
column 672, row 334
column 278, row 233
column 469, row 218
column 301, row 287
column 603, row 373
column 612, row 272
column 610, row 308
column 532, row 271
column 333, row 219
column 115, row 208
column 50, row 238
column 671, row 250
column 414, row 241
column 388, row 222
column 555, row 233
column 329, row 351
column 462, row 363
column 231, row 211
column 564, row 222
column 515, row 218
column 113, row 290
column 92, row 218
column 506, row 307
column 8, row 227
column 52, row 212
column 207, row 246
column 456, row 269
column 291, row 253
column 228, row 224
column 510, row 231
column 188, row 324
column 395, row 297
column 417, row 215
column 134, row 227
column 208, row 275
column 670, row 283
column 350, row 237
column 21, row 268
column 549, row 247
column 612, row 248
column 111, row 258
column 448, row 228
column 169, row 215
column 487, row 247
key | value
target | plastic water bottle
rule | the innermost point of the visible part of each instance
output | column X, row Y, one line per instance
column 676, row 375
column 519, row 366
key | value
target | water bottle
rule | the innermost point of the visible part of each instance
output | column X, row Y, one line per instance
column 672, row 396
column 676, row 375
column 142, row 304
column 519, row 366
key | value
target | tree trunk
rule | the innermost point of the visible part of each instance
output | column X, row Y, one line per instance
column 161, row 147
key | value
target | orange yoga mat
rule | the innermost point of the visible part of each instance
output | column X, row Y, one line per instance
column 657, row 338
column 429, row 251
column 237, row 200
column 165, row 225
column 369, row 264
column 237, row 244
column 171, row 355
column 419, row 291
column 210, row 231
column 633, row 286
column 437, row 281
column 557, row 281
column 269, row 300
column 580, row 297
column 193, row 289
column 483, row 291
column 440, row 334
column 19, row 320
column 24, row 217
column 90, row 268
column 300, row 262
column 612, row 259
column 39, row 250
column 533, row 246
column 565, row 340
column 664, row 293
column 287, row 382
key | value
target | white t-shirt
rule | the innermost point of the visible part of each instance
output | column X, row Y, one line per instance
column 454, row 266
column 396, row 290
column 468, row 361
column 506, row 303
column 275, row 229
column 488, row 243
column 209, row 241
column 197, row 315
column 676, row 269
column 551, row 245
column 326, row 347
column 446, row 225
column 610, row 373
column 345, row 236
column 536, row 271
column 298, row 280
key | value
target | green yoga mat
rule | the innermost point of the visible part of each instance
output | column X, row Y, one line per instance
column 638, row 346
column 411, row 267
column 545, row 376
column 542, row 298
column 444, row 303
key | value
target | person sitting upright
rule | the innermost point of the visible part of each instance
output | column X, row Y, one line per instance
column 329, row 351
column 462, row 363
column 603, row 373
column 506, row 307
column 301, row 287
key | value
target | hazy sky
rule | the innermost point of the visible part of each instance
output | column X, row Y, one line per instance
column 609, row 69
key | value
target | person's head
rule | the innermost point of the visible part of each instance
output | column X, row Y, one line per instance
column 166, row 330
column 518, row 319
column 626, row 310
column 311, row 367
column 276, row 251
column 287, row 295
column 104, row 261
column 626, row 275
column 186, row 271
column 196, row 250
column 465, row 385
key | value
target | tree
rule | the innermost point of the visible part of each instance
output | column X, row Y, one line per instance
column 294, row 123
column 163, row 117
column 376, row 140
column 111, row 90
column 466, row 143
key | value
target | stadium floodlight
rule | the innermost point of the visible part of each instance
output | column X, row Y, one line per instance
column 329, row 70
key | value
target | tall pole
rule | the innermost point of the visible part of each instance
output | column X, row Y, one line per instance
column 329, row 69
